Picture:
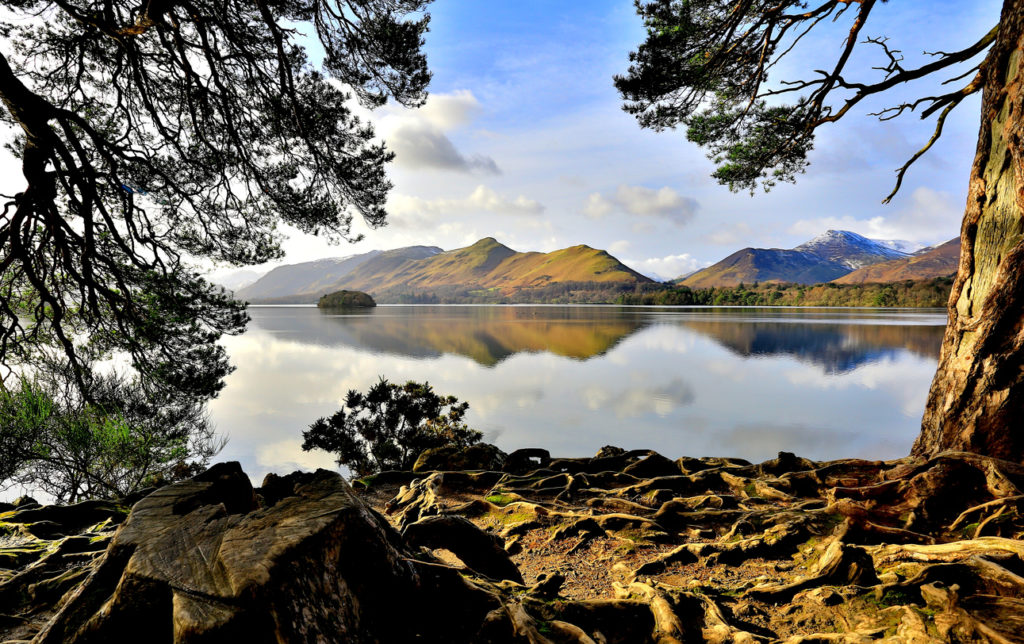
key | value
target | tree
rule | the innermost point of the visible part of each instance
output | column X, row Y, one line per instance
column 388, row 427
column 111, row 440
column 706, row 63
column 155, row 133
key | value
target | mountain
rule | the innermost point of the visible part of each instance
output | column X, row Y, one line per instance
column 487, row 270
column 822, row 259
column 235, row 280
column 936, row 262
column 849, row 249
column 308, row 281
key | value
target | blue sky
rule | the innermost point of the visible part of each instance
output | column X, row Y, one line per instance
column 523, row 139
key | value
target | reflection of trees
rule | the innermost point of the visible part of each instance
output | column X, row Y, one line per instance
column 486, row 335
column 836, row 347
column 489, row 334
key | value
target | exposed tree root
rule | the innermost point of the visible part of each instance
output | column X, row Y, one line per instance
column 721, row 550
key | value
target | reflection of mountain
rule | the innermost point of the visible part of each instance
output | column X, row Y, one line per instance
column 836, row 347
column 486, row 335
column 836, row 341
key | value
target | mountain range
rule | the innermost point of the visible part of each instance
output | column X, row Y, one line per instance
column 836, row 255
column 939, row 261
column 484, row 271
column 489, row 271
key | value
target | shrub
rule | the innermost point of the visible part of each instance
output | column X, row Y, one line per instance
column 388, row 427
column 110, row 441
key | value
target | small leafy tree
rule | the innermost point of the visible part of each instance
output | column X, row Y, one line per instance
column 389, row 426
column 110, row 440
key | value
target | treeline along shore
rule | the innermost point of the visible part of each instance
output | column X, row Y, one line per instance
column 910, row 293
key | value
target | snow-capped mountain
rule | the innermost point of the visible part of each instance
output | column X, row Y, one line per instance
column 849, row 249
column 902, row 245
column 828, row 256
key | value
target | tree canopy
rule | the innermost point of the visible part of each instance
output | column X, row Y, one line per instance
column 712, row 66
column 389, row 426
column 152, row 134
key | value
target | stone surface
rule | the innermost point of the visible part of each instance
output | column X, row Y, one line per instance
column 788, row 550
column 199, row 561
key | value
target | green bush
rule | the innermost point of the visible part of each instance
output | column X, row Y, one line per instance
column 388, row 427
column 110, row 441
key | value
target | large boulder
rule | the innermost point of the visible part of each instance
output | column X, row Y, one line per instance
column 201, row 561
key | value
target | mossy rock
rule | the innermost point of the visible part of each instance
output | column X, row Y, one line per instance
column 346, row 300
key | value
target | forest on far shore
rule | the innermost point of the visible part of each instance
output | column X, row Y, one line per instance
column 910, row 293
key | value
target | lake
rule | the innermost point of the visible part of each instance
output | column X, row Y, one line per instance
column 696, row 381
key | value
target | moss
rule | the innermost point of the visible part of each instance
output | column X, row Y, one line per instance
column 500, row 500
column 365, row 482
column 891, row 597
column 508, row 518
column 968, row 530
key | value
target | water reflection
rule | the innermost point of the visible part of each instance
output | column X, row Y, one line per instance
column 836, row 347
column 485, row 334
column 836, row 340
column 738, row 382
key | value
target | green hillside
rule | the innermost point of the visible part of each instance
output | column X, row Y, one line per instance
column 488, row 271
column 940, row 261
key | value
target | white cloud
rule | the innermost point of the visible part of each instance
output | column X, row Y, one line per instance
column 419, row 137
column 412, row 211
column 636, row 401
column 931, row 216
column 665, row 203
column 419, row 146
column 666, row 268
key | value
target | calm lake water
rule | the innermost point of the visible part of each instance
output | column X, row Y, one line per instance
column 824, row 383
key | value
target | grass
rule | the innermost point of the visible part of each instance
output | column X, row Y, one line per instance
column 968, row 530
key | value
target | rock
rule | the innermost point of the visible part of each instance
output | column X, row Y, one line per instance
column 198, row 561
column 484, row 553
column 525, row 460
column 482, row 456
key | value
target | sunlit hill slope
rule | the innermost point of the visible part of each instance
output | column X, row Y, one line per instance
column 485, row 271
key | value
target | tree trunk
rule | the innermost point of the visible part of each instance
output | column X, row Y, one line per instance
column 976, row 401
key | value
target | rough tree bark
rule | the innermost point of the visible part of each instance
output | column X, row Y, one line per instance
column 976, row 401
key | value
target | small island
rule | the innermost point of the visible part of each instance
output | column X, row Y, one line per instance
column 346, row 300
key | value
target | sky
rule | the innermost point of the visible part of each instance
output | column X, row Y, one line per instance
column 523, row 138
